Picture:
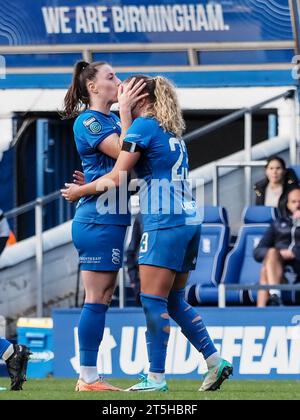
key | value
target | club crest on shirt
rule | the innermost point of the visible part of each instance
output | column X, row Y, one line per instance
column 93, row 125
column 116, row 256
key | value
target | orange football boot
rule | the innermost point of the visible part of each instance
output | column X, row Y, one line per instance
column 99, row 386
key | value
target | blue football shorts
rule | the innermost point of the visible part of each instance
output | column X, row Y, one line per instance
column 100, row 247
column 174, row 248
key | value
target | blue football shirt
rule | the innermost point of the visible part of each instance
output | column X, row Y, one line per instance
column 165, row 192
column 90, row 129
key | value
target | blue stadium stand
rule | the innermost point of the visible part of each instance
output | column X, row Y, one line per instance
column 213, row 249
column 240, row 266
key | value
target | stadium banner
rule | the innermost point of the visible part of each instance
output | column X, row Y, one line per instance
column 261, row 343
column 49, row 22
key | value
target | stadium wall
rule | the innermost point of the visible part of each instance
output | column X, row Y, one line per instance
column 261, row 343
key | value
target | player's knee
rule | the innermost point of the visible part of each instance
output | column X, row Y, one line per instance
column 99, row 298
column 272, row 254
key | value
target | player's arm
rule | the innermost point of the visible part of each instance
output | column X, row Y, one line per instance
column 124, row 165
column 112, row 145
column 127, row 159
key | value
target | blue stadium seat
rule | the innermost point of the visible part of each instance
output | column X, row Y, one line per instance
column 213, row 249
column 240, row 266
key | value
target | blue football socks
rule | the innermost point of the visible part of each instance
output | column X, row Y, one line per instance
column 90, row 332
column 158, row 330
column 190, row 322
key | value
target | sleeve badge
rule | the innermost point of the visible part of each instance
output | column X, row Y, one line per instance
column 93, row 125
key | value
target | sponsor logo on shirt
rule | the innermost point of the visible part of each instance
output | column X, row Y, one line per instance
column 90, row 260
column 93, row 125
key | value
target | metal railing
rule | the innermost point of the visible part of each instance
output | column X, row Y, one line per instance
column 222, row 288
column 38, row 206
column 209, row 128
column 147, row 46
column 248, row 178
column 248, row 164
column 193, row 51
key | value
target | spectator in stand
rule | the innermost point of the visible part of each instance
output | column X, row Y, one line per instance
column 273, row 190
column 279, row 250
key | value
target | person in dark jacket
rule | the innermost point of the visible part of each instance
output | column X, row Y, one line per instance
column 273, row 190
column 279, row 250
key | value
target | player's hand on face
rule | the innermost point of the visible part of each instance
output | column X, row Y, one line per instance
column 130, row 93
column 78, row 178
column 71, row 192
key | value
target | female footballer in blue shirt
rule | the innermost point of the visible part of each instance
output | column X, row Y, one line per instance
column 169, row 245
column 98, row 235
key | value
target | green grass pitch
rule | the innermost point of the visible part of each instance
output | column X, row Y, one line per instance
column 63, row 389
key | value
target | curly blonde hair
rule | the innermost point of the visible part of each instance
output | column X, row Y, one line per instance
column 163, row 103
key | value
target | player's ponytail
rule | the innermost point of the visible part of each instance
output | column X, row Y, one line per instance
column 166, row 107
column 77, row 98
